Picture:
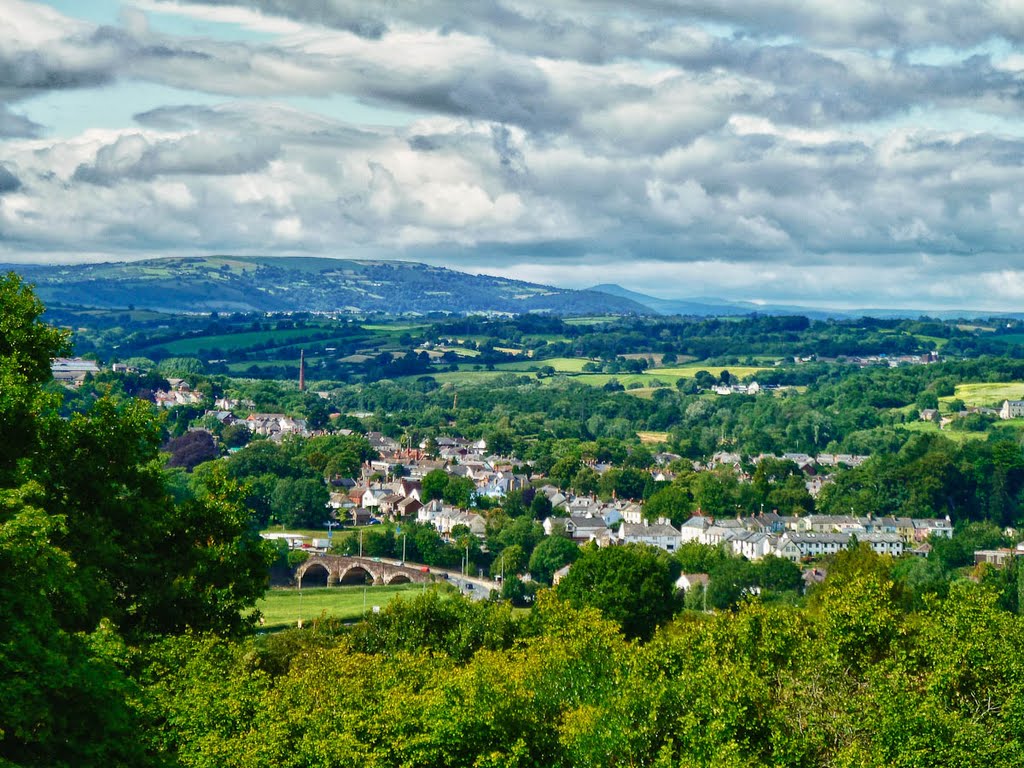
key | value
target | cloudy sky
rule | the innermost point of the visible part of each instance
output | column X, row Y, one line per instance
column 846, row 153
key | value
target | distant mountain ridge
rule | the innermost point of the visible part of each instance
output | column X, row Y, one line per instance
column 690, row 306
column 725, row 307
column 283, row 284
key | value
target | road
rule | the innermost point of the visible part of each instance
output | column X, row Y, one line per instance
column 472, row 587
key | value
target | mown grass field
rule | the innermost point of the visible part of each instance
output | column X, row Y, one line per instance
column 283, row 608
column 652, row 438
column 988, row 393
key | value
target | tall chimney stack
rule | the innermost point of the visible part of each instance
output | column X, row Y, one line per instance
column 302, row 370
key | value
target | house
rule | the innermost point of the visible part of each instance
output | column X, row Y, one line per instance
column 688, row 581
column 930, row 414
column 754, row 546
column 274, row 425
column 995, row 557
column 1012, row 409
column 694, row 528
column 661, row 534
column 360, row 516
column 560, row 574
column 408, row 506
column 580, row 528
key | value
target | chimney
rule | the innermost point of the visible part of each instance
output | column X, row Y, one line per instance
column 302, row 370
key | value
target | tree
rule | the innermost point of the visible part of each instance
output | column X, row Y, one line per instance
column 672, row 503
column 434, row 484
column 631, row 584
column 300, row 502
column 236, row 435
column 540, row 507
column 730, row 579
column 510, row 561
column 552, row 553
column 96, row 551
column 191, row 449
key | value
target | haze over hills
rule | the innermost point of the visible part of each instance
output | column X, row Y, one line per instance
column 726, row 307
column 281, row 284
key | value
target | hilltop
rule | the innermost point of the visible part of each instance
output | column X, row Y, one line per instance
column 281, row 284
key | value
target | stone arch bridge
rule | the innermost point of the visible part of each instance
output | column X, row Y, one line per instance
column 341, row 569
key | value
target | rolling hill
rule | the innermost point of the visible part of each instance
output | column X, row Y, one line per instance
column 282, row 284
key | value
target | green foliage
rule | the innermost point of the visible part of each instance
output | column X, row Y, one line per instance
column 300, row 503
column 96, row 551
column 631, row 584
column 552, row 553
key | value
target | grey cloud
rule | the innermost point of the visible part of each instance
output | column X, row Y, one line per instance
column 134, row 157
column 8, row 181
column 13, row 125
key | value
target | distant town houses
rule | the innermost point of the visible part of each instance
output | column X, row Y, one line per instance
column 73, row 371
column 752, row 388
column 274, row 425
column 180, row 393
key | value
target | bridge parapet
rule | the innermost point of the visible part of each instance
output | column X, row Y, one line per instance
column 340, row 566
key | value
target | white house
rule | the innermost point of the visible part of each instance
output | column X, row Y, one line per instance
column 661, row 535
column 1012, row 409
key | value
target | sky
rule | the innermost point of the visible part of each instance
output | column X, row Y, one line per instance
column 848, row 154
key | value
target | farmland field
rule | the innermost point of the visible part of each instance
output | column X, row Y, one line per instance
column 232, row 341
column 689, row 371
column 988, row 393
column 560, row 364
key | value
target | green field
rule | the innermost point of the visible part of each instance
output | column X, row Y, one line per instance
column 1007, row 338
column 284, row 607
column 571, row 367
column 955, row 435
column 232, row 341
column 988, row 393
column 689, row 371
column 560, row 364
column 397, row 327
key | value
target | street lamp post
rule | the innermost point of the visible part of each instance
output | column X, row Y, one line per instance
column 331, row 525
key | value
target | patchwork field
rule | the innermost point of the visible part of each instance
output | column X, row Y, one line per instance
column 233, row 341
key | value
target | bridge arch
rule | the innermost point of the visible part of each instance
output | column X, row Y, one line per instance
column 398, row 578
column 314, row 574
column 355, row 574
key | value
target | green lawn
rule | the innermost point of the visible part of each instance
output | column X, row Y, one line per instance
column 282, row 608
column 988, row 393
